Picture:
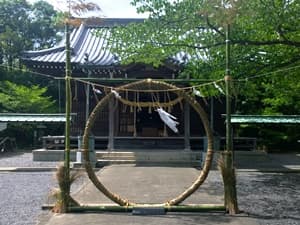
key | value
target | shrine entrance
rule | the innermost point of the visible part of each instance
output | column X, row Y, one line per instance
column 134, row 122
column 142, row 122
column 149, row 124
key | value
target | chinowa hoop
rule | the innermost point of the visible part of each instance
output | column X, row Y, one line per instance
column 160, row 86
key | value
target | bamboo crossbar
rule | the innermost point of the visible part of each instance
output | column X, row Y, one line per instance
column 167, row 208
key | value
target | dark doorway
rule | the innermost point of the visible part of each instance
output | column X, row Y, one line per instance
column 148, row 123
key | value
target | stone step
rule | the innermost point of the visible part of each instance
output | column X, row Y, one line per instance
column 103, row 154
column 149, row 157
column 105, row 162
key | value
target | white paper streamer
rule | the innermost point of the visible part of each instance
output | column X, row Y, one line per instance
column 168, row 119
column 97, row 90
column 116, row 94
column 197, row 92
column 219, row 88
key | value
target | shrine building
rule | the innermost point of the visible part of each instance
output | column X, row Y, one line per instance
column 119, row 126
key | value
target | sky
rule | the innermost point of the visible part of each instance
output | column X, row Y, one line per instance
column 110, row 8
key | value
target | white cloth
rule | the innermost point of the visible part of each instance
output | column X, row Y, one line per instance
column 219, row 88
column 168, row 119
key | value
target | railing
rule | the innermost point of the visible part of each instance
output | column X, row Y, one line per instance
column 58, row 142
column 197, row 143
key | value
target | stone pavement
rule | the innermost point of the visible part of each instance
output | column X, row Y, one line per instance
column 168, row 219
column 148, row 185
column 158, row 184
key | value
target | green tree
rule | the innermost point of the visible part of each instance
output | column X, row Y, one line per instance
column 14, row 22
column 265, row 37
column 42, row 29
column 23, row 26
column 22, row 99
column 260, row 38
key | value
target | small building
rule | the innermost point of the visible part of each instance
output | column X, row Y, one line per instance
column 120, row 126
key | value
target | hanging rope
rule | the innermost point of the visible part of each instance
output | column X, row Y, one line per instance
column 152, row 104
column 147, row 88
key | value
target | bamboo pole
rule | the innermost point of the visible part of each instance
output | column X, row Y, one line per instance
column 66, row 189
column 174, row 208
column 228, row 97
column 226, row 163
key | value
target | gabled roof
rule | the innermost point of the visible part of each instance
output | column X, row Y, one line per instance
column 88, row 48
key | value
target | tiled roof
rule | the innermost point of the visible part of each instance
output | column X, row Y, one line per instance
column 85, row 48
column 88, row 48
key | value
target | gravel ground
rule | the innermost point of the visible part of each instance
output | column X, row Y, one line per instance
column 23, row 193
column 274, row 199
column 21, row 196
column 270, row 198
column 22, row 159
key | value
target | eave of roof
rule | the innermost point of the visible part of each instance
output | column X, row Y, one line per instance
column 29, row 117
column 287, row 119
column 112, row 22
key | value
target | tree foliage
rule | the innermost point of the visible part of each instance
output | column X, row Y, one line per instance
column 42, row 29
column 13, row 24
column 19, row 98
column 264, row 37
column 24, row 26
column 198, row 28
column 265, row 48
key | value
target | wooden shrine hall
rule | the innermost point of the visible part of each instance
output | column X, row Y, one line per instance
column 120, row 126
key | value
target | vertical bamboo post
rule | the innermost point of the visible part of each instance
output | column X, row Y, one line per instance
column 66, row 189
column 228, row 94
column 228, row 170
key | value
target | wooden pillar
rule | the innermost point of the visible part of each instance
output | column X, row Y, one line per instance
column 111, row 120
column 111, row 125
column 59, row 96
column 87, row 99
column 116, row 119
column 187, row 145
